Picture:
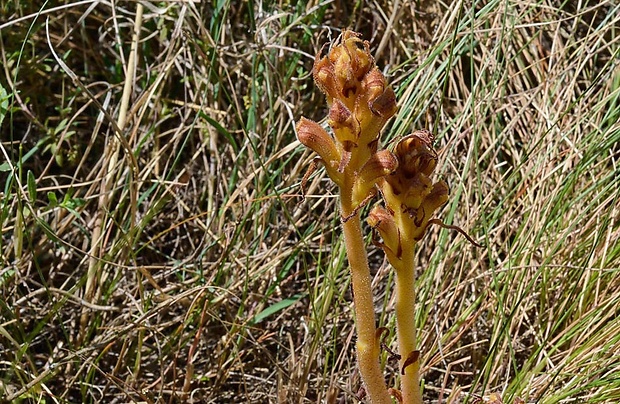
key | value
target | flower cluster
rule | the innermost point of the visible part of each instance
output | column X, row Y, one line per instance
column 360, row 103
column 410, row 196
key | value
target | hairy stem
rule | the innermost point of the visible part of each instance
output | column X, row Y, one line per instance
column 367, row 342
column 406, row 328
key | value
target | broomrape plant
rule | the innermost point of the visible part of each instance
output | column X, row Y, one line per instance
column 360, row 103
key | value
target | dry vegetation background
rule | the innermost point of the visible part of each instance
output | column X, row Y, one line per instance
column 157, row 251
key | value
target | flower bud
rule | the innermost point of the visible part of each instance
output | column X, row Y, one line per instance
column 374, row 84
column 383, row 222
column 437, row 197
column 384, row 105
column 312, row 135
column 416, row 154
column 378, row 166
column 359, row 52
column 343, row 122
column 381, row 98
column 325, row 78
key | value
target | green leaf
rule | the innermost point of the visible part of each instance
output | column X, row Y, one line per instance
column 30, row 153
column 74, row 203
column 276, row 307
column 4, row 103
column 6, row 276
column 48, row 230
column 32, row 187
column 220, row 129
column 52, row 198
column 71, row 204
column 61, row 126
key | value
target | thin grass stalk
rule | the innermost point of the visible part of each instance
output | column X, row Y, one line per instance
column 106, row 180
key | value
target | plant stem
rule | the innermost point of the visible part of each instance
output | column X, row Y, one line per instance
column 367, row 343
column 405, row 325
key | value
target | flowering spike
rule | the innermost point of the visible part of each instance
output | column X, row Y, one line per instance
column 360, row 102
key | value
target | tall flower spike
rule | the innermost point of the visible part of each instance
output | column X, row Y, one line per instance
column 360, row 102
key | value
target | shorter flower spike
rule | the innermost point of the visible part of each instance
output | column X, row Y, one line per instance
column 410, row 199
column 409, row 194
column 411, row 182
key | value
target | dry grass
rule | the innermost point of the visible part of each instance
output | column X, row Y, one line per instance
column 165, row 257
